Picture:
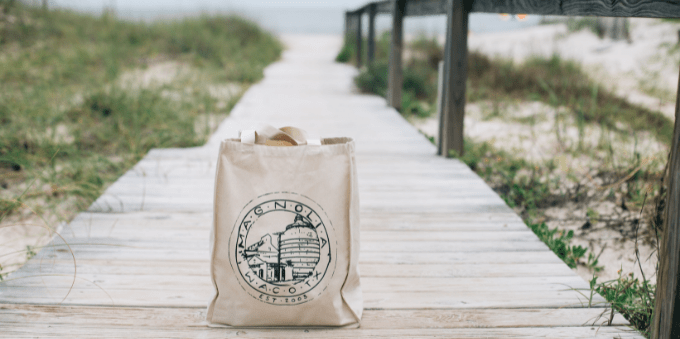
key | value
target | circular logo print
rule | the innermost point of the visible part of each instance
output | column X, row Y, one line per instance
column 283, row 249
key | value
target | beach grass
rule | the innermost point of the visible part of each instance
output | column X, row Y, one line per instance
column 69, row 126
column 553, row 80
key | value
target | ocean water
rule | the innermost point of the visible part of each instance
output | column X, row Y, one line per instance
column 321, row 17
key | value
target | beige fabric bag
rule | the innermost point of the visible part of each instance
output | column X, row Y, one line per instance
column 285, row 240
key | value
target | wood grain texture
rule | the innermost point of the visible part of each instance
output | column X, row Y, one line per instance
column 666, row 321
column 426, row 7
column 442, row 255
column 455, row 59
column 359, row 39
column 627, row 8
column 122, row 331
column 372, row 319
column 370, row 43
column 394, row 72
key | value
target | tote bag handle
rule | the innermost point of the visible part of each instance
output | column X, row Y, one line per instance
column 272, row 136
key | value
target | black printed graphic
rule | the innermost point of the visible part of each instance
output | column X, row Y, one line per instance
column 282, row 250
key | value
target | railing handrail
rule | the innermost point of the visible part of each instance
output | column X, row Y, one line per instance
column 631, row 9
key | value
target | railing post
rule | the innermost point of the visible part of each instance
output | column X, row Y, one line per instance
column 440, row 99
column 666, row 322
column 359, row 37
column 346, row 26
column 455, row 57
column 394, row 78
column 371, row 35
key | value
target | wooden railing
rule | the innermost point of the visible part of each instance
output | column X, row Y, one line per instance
column 666, row 322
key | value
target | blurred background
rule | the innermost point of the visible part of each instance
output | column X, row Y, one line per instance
column 319, row 17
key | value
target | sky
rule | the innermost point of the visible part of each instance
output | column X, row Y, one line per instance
column 208, row 4
column 281, row 16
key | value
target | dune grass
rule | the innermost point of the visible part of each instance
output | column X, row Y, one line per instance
column 531, row 188
column 554, row 81
column 68, row 128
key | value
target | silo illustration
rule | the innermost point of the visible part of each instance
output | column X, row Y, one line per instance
column 299, row 248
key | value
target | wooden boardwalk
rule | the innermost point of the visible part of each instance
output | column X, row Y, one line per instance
column 441, row 254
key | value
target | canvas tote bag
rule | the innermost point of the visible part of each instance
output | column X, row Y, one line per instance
column 285, row 239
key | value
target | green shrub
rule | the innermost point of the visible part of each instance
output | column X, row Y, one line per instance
column 66, row 122
column 373, row 79
column 558, row 241
column 411, row 106
column 418, row 80
column 559, row 82
column 345, row 53
column 632, row 298
column 428, row 49
column 416, row 87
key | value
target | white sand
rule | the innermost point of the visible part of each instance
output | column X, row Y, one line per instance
column 619, row 65
column 645, row 72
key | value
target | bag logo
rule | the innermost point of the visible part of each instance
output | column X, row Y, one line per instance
column 283, row 250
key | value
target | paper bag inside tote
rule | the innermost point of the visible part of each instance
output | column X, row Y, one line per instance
column 285, row 238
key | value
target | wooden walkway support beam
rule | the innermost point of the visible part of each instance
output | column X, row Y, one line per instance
column 666, row 322
column 395, row 73
column 347, row 26
column 372, row 11
column 455, row 60
column 359, row 37
column 440, row 103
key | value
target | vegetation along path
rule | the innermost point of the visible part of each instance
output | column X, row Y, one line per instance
column 441, row 253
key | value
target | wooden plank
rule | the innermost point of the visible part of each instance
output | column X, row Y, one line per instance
column 492, row 264
column 369, row 284
column 112, row 224
column 60, row 272
column 395, row 75
column 125, row 232
column 435, row 247
column 125, row 204
column 425, row 7
column 372, row 319
column 199, row 297
column 638, row 9
column 68, row 331
column 384, row 7
column 666, row 321
column 478, row 260
column 131, row 253
column 400, row 218
column 373, row 191
column 391, row 242
column 455, row 58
